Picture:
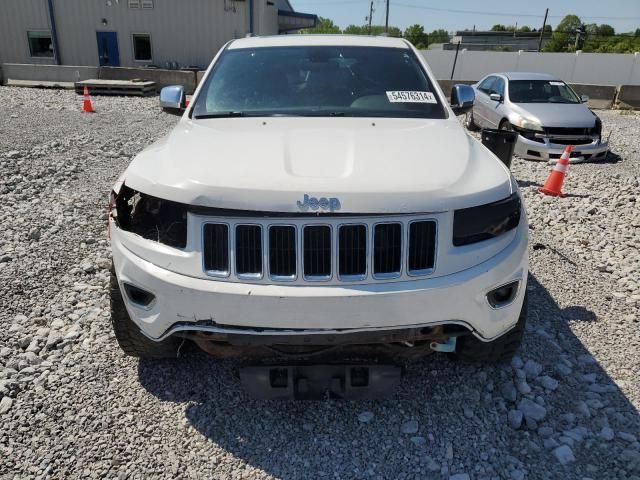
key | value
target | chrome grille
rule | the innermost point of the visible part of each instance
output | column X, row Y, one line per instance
column 317, row 252
column 249, row 251
column 303, row 250
column 422, row 252
column 216, row 249
column 352, row 252
column 387, row 250
column 282, row 252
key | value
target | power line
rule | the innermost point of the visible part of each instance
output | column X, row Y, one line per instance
column 502, row 14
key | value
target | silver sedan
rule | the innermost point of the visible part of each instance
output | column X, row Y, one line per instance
column 547, row 114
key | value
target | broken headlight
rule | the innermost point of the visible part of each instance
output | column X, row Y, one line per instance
column 150, row 217
column 475, row 224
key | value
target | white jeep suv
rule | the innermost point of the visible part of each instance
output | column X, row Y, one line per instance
column 318, row 193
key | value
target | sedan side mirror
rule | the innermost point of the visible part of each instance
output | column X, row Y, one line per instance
column 584, row 98
column 173, row 99
column 496, row 97
column 462, row 98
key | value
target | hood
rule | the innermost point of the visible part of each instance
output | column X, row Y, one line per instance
column 370, row 165
column 566, row 115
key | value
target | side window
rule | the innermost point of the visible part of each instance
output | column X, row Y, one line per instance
column 40, row 44
column 486, row 85
column 141, row 47
column 498, row 86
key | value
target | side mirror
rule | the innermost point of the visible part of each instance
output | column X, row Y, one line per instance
column 172, row 98
column 584, row 98
column 496, row 97
column 462, row 98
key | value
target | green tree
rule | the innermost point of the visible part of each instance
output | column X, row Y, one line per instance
column 415, row 34
column 605, row 30
column 498, row 27
column 325, row 25
column 375, row 30
column 355, row 30
column 524, row 29
column 563, row 38
column 439, row 36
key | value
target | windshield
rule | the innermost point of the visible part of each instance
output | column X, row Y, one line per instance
column 541, row 91
column 318, row 81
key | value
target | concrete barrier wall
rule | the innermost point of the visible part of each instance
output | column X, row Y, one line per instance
column 200, row 76
column 629, row 96
column 161, row 77
column 47, row 73
column 446, row 85
column 600, row 96
column 580, row 68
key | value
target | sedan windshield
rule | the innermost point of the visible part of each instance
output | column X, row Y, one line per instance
column 318, row 81
column 541, row 91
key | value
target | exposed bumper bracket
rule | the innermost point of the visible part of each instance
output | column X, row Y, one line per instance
column 447, row 347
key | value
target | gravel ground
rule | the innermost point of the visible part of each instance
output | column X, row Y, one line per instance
column 73, row 406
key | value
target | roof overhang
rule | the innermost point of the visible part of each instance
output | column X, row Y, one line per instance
column 288, row 21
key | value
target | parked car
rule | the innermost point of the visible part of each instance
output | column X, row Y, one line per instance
column 546, row 112
column 318, row 193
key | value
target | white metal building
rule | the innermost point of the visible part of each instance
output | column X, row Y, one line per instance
column 135, row 33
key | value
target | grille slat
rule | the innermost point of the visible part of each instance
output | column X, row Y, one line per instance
column 249, row 250
column 317, row 252
column 422, row 238
column 352, row 251
column 387, row 249
column 216, row 251
column 282, row 251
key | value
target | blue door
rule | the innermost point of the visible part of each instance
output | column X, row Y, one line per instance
column 108, row 52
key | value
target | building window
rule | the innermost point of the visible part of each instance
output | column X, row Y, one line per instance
column 147, row 3
column 141, row 47
column 40, row 44
column 134, row 3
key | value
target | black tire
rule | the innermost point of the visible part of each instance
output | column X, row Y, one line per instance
column 469, row 123
column 470, row 349
column 505, row 125
column 131, row 340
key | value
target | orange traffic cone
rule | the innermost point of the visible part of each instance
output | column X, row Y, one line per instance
column 87, row 107
column 553, row 185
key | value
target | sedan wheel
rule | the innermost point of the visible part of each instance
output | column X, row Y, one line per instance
column 505, row 125
column 469, row 123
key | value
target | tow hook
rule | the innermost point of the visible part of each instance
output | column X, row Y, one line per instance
column 448, row 346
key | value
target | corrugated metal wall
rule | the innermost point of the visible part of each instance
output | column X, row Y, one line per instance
column 189, row 32
column 16, row 18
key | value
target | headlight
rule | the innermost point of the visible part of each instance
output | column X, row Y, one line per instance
column 475, row 224
column 150, row 217
column 528, row 123
column 597, row 129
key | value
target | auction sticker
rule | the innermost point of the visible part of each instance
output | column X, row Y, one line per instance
column 411, row 97
column 559, row 84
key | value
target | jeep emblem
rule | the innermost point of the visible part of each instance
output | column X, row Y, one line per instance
column 323, row 203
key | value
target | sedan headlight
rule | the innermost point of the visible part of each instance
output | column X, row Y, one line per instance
column 475, row 224
column 527, row 123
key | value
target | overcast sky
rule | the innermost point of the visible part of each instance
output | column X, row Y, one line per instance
column 623, row 15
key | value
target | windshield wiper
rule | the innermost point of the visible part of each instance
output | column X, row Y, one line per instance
column 323, row 114
column 220, row 115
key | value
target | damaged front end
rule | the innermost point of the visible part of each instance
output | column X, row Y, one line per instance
column 150, row 217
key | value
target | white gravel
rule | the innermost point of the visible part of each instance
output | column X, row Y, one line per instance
column 73, row 406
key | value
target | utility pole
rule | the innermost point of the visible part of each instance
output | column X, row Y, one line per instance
column 582, row 29
column 544, row 24
column 386, row 22
column 370, row 16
